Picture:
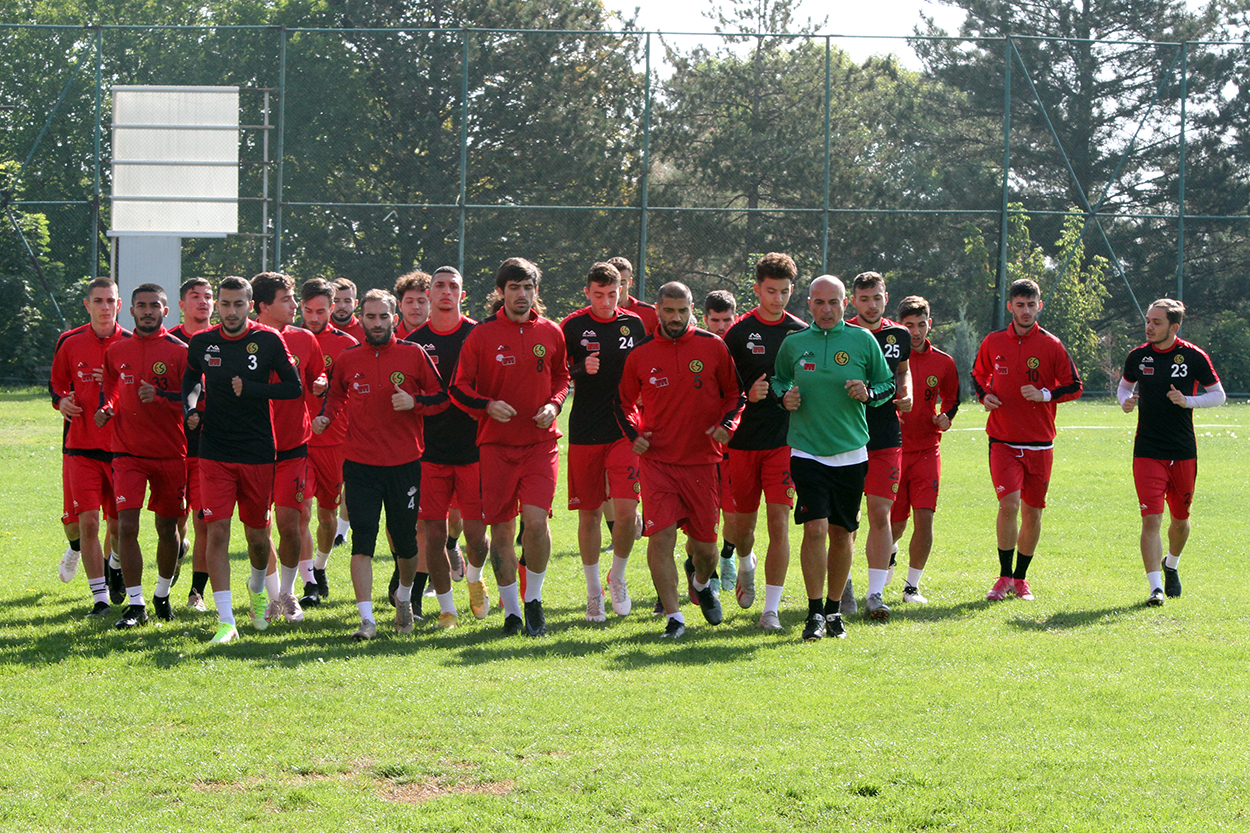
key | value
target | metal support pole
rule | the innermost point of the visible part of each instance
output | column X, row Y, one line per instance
column 464, row 141
column 824, row 232
column 264, row 189
column 96, row 193
column 646, row 171
column 277, row 210
column 1005, row 221
column 1180, row 200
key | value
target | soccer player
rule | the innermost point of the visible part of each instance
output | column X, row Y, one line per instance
column 512, row 376
column 1164, row 375
column 759, row 459
column 195, row 300
column 869, row 297
column 76, row 385
column 325, row 450
column 451, row 478
column 385, row 387
column 343, row 315
column 232, row 364
column 720, row 310
column 597, row 339
column 826, row 375
column 273, row 296
column 678, row 403
column 412, row 291
column 142, row 377
column 1021, row 373
column 934, row 380
column 639, row 308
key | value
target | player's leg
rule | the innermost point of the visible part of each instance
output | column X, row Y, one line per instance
column 536, row 543
column 401, row 498
column 878, row 547
column 503, row 564
column 168, row 547
column 217, row 558
column 918, row 555
column 586, row 474
column 626, row 511
column 132, row 566
column 259, row 550
column 776, row 563
column 841, row 553
column 660, row 547
column 364, row 490
column 589, row 539
column 93, row 560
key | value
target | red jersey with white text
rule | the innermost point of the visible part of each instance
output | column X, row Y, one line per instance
column 1005, row 363
column 79, row 357
column 333, row 342
column 146, row 429
column 934, row 379
column 291, row 425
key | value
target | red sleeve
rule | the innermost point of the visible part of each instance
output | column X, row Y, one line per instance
column 463, row 392
column 1066, row 375
column 948, row 388
column 110, row 381
column 559, row 371
column 983, row 370
column 731, row 398
column 628, row 390
column 336, row 396
column 61, row 381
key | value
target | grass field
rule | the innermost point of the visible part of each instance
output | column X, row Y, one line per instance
column 1084, row 710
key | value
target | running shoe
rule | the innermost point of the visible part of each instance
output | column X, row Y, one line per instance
column 1022, row 590
column 1171, row 582
column 134, row 616
column 769, row 621
column 311, row 597
column 291, row 611
column 164, row 611
column 690, row 591
column 226, row 632
column 1002, row 586
column 447, row 621
column 367, row 630
column 849, row 603
column 456, row 558
column 594, row 608
column 512, row 625
column 116, row 584
column 709, row 602
column 195, row 601
column 535, row 621
column 834, row 629
column 619, row 591
column 403, row 617
column 728, row 572
column 877, row 609
column 745, row 586
column 479, row 603
column 1156, row 597
column 814, row 627
column 98, row 609
column 675, row 629
column 68, row 567
column 260, row 611
column 911, row 595
column 323, row 589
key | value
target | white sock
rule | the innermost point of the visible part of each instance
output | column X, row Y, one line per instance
column 322, row 558
column 618, row 567
column 1155, row 580
column 404, row 593
column 895, row 550
column 534, row 585
column 225, row 610
column 114, row 561
column 699, row 585
column 913, row 576
column 772, row 597
column 305, row 571
column 472, row 573
column 678, row 617
column 746, row 562
column 344, row 528
column 876, row 581
column 256, row 582
column 99, row 589
column 594, row 587
column 162, row 586
column 288, row 580
column 508, row 600
column 366, row 611
column 134, row 595
column 1171, row 561
column 446, row 603
column 271, row 585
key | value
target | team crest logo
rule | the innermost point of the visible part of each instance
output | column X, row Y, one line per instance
column 637, row 487
column 540, row 350
column 696, row 366
column 932, row 381
column 790, row 492
column 328, row 361
column 159, row 368
column 252, row 347
column 891, row 339
column 397, row 378
column 624, row 330
column 1179, row 358
column 841, row 357
column 299, row 497
column 1033, row 363
column 894, row 488
column 295, row 361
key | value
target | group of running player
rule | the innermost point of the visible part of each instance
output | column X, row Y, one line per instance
column 450, row 427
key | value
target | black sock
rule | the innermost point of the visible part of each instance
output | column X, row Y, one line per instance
column 453, row 541
column 1022, row 565
column 610, row 525
column 520, row 531
column 833, row 607
column 727, row 551
column 418, row 586
column 1004, row 562
column 199, row 581
column 76, row 545
column 815, row 607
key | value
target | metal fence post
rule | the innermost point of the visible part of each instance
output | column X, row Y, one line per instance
column 646, row 170
column 1000, row 305
column 95, row 196
column 1180, row 200
column 824, row 234
column 464, row 141
column 277, row 212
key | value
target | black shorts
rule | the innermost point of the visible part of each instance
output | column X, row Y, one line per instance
column 832, row 492
column 368, row 490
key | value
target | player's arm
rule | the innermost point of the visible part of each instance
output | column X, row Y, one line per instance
column 879, row 381
column 732, row 397
column 192, row 388
column 902, row 384
column 948, row 392
column 1212, row 397
column 626, row 405
column 432, row 398
column 559, row 376
column 577, row 363
column 288, row 385
column 1068, row 379
column 61, row 383
column 463, row 391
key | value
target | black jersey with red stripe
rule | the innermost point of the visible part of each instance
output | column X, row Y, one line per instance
column 450, row 436
column 1165, row 430
column 884, row 428
column 192, row 434
column 753, row 343
column 593, row 418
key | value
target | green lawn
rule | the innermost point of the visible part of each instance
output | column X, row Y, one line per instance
column 1084, row 710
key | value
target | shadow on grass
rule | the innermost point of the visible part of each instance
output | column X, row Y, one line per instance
column 1071, row 619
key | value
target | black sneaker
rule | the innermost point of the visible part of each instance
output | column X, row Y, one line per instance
column 182, row 556
column 340, row 540
column 135, row 616
column 658, row 610
column 98, row 610
column 834, row 628
column 511, row 625
column 690, row 591
column 814, row 628
column 1171, row 582
column 163, row 610
column 393, row 587
column 709, row 602
column 535, row 622
column 323, row 589
column 311, row 597
column 116, row 584
column 1156, row 598
column 675, row 629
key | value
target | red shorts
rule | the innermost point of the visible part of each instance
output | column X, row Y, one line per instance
column 518, row 475
column 726, row 493
column 193, row 484
column 1023, row 470
column 918, row 483
column 1160, row 480
column 326, row 463
column 752, row 472
column 443, row 487
column 292, row 484
column 166, row 475
column 87, row 484
column 682, row 495
column 589, row 465
column 883, row 470
column 250, row 485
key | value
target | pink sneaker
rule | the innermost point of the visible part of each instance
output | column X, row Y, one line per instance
column 1000, row 589
column 1022, row 590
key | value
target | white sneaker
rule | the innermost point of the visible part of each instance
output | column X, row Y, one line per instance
column 911, row 595
column 69, row 565
column 456, row 558
column 291, row 611
column 745, row 585
column 769, row 621
column 594, row 608
column 621, row 603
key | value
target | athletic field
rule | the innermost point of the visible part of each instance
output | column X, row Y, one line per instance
column 1084, row 710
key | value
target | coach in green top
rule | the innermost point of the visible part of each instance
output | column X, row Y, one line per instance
column 825, row 375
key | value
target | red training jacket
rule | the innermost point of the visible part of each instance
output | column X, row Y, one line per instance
column 333, row 342
column 933, row 377
column 146, row 429
column 1005, row 363
column 291, row 424
column 78, row 368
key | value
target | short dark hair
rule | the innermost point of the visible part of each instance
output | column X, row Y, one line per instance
column 603, row 274
column 673, row 289
column 451, row 270
column 316, row 287
column 913, row 305
column 516, row 270
column 1175, row 309
column 150, row 287
column 621, row 264
column 1024, row 288
column 266, row 285
column 867, row 280
column 234, row 282
column 416, row 281
column 343, row 283
column 720, row 300
column 776, row 265
column 100, row 283
column 383, row 296
column 192, row 283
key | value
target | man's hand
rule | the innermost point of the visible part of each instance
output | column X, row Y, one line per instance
column 103, row 416
column 1032, row 394
column 990, row 402
column 856, row 389
column 1129, row 404
column 1176, row 396
column 642, row 443
column 320, row 423
column 499, row 410
column 97, row 375
column 942, row 421
column 790, row 401
column 758, row 389
column 592, row 363
column 545, row 416
column 718, row 433
column 903, row 402
column 192, row 420
column 69, row 406
column 320, row 384
column 237, row 384
column 401, row 400
column 147, row 393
